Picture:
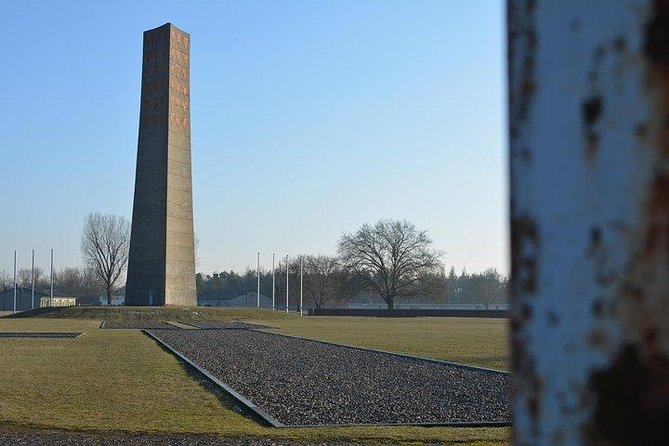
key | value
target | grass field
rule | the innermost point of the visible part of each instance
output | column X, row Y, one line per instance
column 121, row 380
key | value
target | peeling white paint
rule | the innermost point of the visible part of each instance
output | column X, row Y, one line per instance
column 584, row 150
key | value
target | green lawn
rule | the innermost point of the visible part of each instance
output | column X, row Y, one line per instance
column 121, row 380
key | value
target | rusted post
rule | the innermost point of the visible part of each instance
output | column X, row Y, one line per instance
column 589, row 138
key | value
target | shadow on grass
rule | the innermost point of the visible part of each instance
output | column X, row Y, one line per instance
column 226, row 400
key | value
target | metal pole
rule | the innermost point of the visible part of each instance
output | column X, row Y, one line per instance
column 301, row 282
column 273, row 285
column 14, row 282
column 32, row 280
column 286, row 284
column 589, row 159
column 51, row 294
column 258, row 293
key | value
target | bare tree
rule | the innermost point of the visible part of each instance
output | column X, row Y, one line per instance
column 5, row 280
column 104, row 246
column 489, row 286
column 24, row 277
column 67, row 281
column 391, row 257
column 82, row 283
column 322, row 278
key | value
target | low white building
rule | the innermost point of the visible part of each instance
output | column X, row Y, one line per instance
column 58, row 301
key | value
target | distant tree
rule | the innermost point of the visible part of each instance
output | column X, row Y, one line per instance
column 323, row 278
column 391, row 257
column 90, row 286
column 435, row 285
column 24, row 277
column 201, row 282
column 489, row 286
column 82, row 283
column 67, row 281
column 5, row 280
column 104, row 246
column 452, row 287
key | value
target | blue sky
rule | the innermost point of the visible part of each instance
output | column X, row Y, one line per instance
column 309, row 118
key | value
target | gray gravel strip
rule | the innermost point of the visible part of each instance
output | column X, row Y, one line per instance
column 303, row 383
column 227, row 325
column 50, row 335
column 137, row 324
column 55, row 438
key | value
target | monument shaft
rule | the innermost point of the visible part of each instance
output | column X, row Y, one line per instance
column 161, row 264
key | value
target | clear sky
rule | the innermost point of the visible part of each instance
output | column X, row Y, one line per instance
column 309, row 118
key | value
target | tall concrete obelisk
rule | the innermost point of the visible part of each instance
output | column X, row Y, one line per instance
column 161, row 265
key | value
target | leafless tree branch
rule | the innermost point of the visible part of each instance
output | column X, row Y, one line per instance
column 104, row 246
column 391, row 257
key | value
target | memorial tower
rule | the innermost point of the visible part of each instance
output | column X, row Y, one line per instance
column 161, row 263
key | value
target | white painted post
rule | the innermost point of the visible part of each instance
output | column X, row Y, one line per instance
column 589, row 159
column 14, row 311
column 273, row 285
column 258, row 292
column 286, row 284
column 301, row 282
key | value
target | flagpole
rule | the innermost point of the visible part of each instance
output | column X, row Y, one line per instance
column 14, row 281
column 32, row 280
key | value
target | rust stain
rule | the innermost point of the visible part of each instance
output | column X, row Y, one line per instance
column 524, row 247
column 598, row 308
column 522, row 44
column 591, row 111
column 620, row 44
column 656, row 49
column 598, row 339
column 632, row 401
column 552, row 318
column 657, row 232
column 521, row 36
column 656, row 46
column 641, row 131
column 632, row 392
column 527, row 382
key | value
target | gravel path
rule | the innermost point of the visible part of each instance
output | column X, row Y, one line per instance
column 229, row 325
column 158, row 324
column 301, row 382
column 35, row 334
column 56, row 438
column 138, row 324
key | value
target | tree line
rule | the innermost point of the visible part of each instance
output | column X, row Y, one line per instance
column 81, row 283
column 334, row 286
column 104, row 246
column 390, row 261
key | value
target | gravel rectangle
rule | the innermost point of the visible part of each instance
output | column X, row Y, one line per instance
column 301, row 382
column 229, row 325
column 148, row 324
column 52, row 335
